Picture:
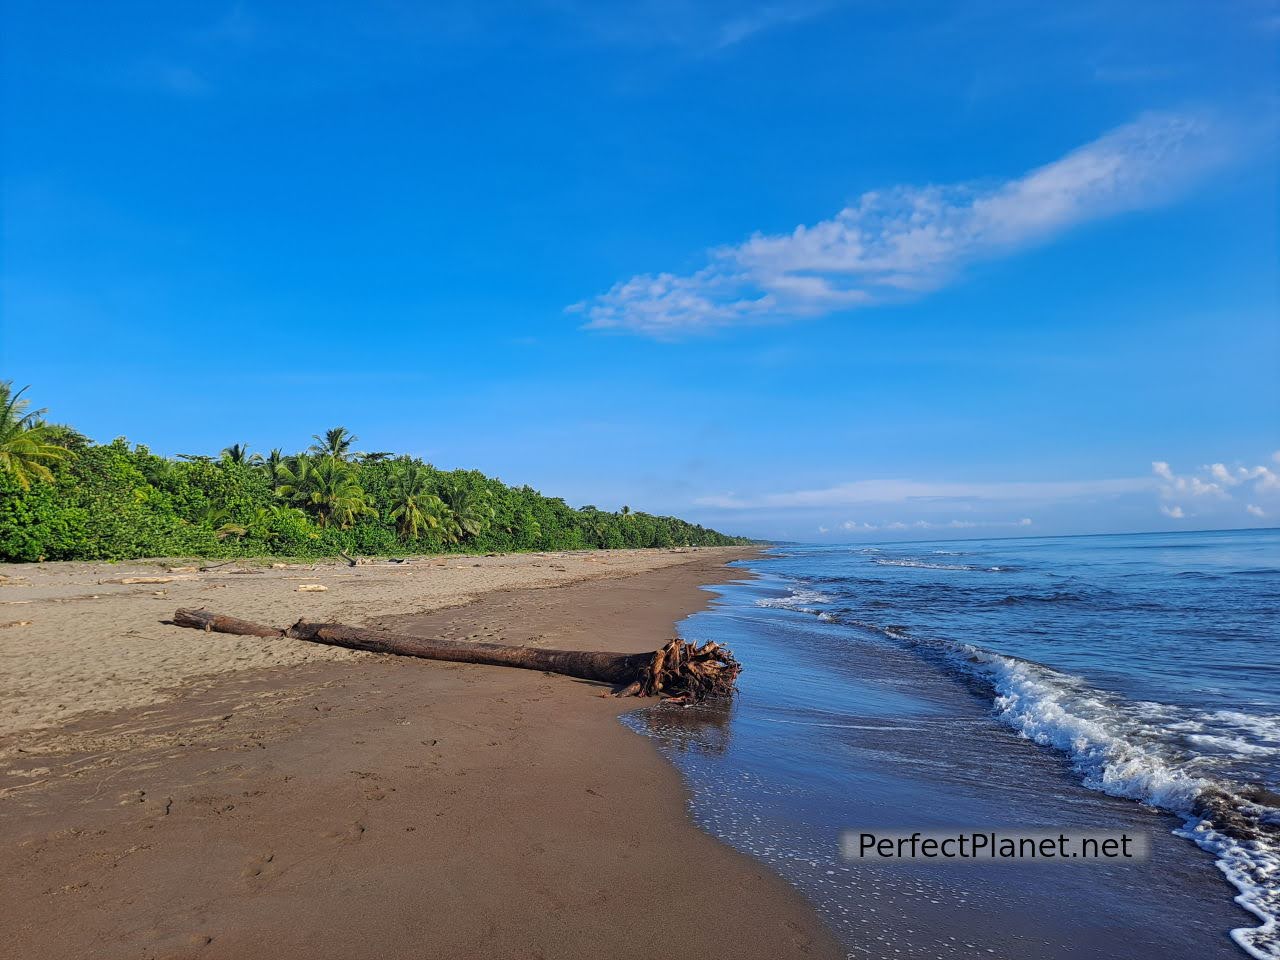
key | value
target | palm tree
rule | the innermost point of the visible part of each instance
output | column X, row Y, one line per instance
column 26, row 447
column 326, row 486
column 67, row 437
column 335, row 443
column 449, row 531
column 258, row 521
column 219, row 518
column 294, row 476
column 272, row 464
column 593, row 521
column 414, row 506
column 470, row 508
column 239, row 453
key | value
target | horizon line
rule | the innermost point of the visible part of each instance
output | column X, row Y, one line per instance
column 1042, row 536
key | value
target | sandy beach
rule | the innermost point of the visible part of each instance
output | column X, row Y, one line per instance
column 168, row 793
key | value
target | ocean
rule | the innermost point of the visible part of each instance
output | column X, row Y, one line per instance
column 1101, row 683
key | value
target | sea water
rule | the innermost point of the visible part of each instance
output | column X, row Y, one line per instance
column 1108, row 683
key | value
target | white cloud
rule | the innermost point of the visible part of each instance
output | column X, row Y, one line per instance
column 1219, row 482
column 1189, row 484
column 912, row 239
column 1266, row 478
column 906, row 491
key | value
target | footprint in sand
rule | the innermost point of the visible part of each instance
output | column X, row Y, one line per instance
column 259, row 867
column 349, row 834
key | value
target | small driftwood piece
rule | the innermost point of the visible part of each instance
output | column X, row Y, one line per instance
column 146, row 579
column 215, row 566
column 679, row 670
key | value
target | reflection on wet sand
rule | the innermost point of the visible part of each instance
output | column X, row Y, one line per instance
column 701, row 728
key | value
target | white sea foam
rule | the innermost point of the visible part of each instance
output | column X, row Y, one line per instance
column 1259, row 726
column 1116, row 748
column 930, row 565
column 1231, row 746
column 1056, row 710
column 799, row 599
column 1253, row 868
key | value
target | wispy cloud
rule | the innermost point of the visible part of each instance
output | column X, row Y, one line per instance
column 176, row 79
column 1216, row 483
column 196, row 56
column 866, row 492
column 698, row 29
column 237, row 27
column 760, row 19
column 911, row 239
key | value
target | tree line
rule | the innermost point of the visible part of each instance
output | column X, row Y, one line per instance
column 64, row 497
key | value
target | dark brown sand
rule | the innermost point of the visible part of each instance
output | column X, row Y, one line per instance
column 385, row 807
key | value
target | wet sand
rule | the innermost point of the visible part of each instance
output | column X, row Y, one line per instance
column 372, row 806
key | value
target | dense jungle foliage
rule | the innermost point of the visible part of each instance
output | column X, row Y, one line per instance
column 63, row 497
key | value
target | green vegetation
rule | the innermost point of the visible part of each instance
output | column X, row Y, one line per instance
column 63, row 497
column 27, row 447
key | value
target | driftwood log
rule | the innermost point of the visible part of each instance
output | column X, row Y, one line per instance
column 679, row 670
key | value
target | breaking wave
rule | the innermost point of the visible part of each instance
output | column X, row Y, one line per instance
column 799, row 599
column 1135, row 751
column 1124, row 749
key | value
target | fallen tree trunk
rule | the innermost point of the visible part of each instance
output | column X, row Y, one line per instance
column 679, row 670
column 206, row 621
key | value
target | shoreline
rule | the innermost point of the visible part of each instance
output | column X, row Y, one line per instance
column 869, row 715
column 393, row 807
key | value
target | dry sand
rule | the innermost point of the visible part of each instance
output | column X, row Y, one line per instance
column 232, row 797
column 75, row 639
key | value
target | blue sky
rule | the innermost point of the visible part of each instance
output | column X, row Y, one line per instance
column 817, row 271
